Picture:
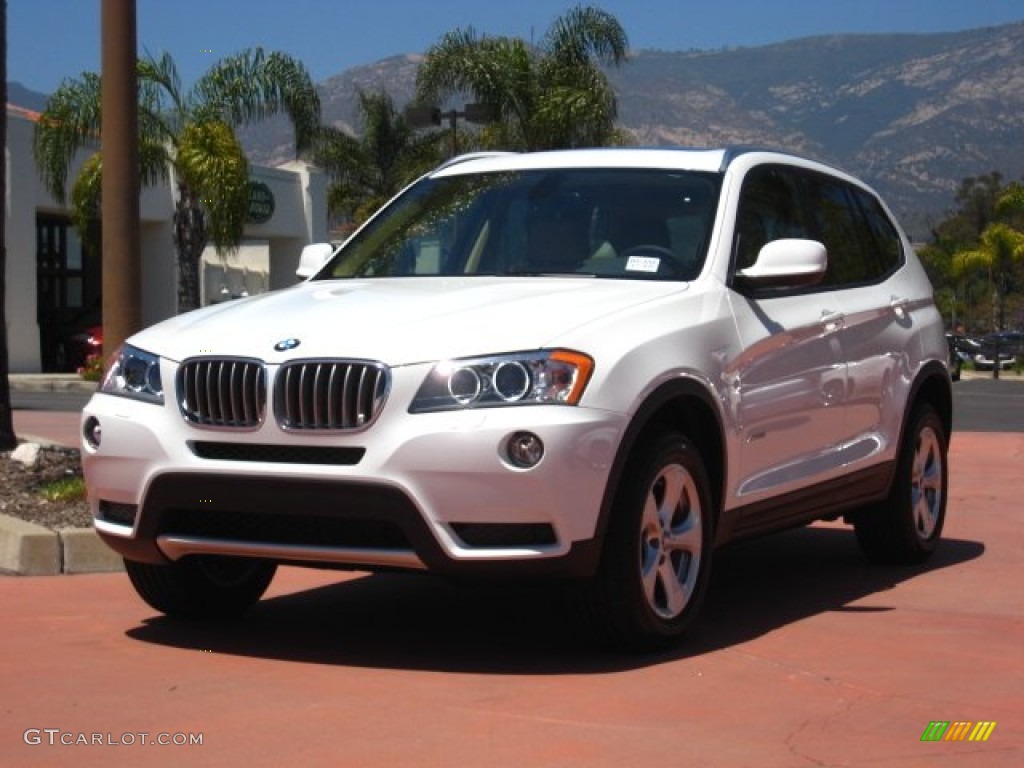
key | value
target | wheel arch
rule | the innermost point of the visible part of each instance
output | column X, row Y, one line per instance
column 932, row 386
column 683, row 405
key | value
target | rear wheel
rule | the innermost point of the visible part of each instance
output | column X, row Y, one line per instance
column 206, row 586
column 657, row 553
column 906, row 527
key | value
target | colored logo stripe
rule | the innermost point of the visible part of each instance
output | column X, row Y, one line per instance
column 983, row 730
column 960, row 730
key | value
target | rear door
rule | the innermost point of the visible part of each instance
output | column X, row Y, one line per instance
column 878, row 303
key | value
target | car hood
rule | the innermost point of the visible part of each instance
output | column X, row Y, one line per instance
column 400, row 321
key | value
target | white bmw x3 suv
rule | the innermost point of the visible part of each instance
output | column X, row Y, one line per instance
column 596, row 365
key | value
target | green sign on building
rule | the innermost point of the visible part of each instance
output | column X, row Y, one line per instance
column 261, row 202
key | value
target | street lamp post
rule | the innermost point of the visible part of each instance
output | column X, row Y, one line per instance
column 422, row 117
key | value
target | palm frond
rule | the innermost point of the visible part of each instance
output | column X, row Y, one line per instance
column 163, row 73
column 1012, row 201
column 69, row 122
column 211, row 162
column 86, row 193
column 966, row 262
column 254, row 85
column 586, row 34
column 387, row 155
column 555, row 95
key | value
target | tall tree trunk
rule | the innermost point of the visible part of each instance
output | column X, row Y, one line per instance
column 189, row 240
column 8, row 440
column 119, row 145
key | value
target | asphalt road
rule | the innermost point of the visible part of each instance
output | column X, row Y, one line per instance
column 988, row 405
column 979, row 405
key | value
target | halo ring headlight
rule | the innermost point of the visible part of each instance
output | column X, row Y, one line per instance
column 511, row 380
column 465, row 385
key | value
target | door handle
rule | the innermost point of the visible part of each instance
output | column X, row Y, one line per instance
column 832, row 320
column 899, row 306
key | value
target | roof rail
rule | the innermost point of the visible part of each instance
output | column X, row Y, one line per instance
column 470, row 156
column 736, row 150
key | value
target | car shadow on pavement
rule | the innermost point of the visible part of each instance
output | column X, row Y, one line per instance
column 400, row 621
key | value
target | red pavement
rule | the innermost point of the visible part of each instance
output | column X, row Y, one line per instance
column 806, row 656
column 53, row 426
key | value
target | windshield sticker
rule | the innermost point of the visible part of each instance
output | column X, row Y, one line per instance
column 642, row 264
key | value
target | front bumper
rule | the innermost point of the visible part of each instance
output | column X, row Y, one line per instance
column 423, row 491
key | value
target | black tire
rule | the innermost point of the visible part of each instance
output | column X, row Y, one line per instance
column 657, row 553
column 202, row 587
column 905, row 528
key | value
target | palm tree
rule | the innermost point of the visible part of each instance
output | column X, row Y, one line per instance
column 186, row 136
column 1000, row 249
column 367, row 171
column 550, row 96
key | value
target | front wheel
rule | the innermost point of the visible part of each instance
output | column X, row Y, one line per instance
column 657, row 553
column 201, row 587
column 906, row 527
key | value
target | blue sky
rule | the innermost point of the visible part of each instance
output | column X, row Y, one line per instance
column 49, row 40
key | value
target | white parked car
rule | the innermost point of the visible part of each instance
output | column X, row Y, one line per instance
column 590, row 364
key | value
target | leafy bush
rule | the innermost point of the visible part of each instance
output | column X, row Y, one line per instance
column 93, row 368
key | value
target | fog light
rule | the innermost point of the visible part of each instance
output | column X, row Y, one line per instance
column 524, row 449
column 92, row 432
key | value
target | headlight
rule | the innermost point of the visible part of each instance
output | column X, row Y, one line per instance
column 525, row 378
column 135, row 374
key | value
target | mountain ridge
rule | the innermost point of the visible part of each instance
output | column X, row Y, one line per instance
column 913, row 114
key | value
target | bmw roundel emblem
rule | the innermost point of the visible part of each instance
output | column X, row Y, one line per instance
column 286, row 344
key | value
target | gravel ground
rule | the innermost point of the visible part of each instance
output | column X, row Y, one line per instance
column 21, row 489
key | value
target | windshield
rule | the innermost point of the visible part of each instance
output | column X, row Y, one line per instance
column 620, row 223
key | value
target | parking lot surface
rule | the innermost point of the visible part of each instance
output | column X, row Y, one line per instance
column 806, row 655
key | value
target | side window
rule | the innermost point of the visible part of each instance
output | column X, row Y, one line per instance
column 886, row 243
column 863, row 246
column 768, row 211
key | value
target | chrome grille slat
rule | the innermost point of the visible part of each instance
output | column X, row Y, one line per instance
column 332, row 408
column 346, row 412
column 222, row 393
column 329, row 395
column 232, row 397
column 303, row 399
column 316, row 394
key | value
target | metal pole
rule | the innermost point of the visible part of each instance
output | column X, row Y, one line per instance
column 119, row 143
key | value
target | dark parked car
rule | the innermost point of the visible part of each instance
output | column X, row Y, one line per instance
column 1010, row 345
column 956, row 357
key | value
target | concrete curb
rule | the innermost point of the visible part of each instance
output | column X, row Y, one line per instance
column 27, row 549
column 49, row 382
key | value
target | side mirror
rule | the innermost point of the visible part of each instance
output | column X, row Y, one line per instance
column 312, row 258
column 788, row 263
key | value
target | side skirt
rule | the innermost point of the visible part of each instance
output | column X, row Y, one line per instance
column 826, row 501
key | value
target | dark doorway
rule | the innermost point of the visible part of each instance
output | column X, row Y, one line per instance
column 67, row 293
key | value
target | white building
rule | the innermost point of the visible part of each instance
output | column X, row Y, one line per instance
column 53, row 283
